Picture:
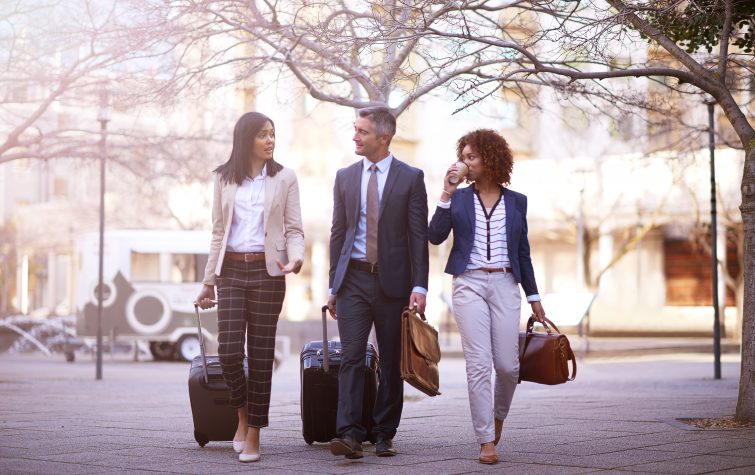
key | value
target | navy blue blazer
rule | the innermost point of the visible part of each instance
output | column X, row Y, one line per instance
column 461, row 218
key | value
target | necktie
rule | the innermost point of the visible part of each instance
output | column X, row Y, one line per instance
column 372, row 216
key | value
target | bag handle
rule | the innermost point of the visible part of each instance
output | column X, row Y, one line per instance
column 415, row 312
column 546, row 322
column 325, row 349
column 201, row 341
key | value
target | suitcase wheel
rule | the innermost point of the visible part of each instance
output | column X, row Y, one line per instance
column 308, row 440
column 200, row 438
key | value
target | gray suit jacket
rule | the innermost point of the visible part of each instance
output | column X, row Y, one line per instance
column 402, row 228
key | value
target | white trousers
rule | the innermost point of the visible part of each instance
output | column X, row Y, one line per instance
column 487, row 309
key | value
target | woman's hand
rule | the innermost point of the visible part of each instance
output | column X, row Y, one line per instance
column 293, row 266
column 206, row 297
column 448, row 187
column 537, row 311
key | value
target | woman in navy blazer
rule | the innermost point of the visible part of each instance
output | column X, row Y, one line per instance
column 490, row 259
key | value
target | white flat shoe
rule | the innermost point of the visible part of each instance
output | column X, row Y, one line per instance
column 249, row 457
column 238, row 447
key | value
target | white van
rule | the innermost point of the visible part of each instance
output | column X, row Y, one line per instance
column 150, row 281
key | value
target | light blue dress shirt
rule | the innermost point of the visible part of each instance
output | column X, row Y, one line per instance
column 359, row 251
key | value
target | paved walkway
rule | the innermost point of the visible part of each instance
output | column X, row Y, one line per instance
column 619, row 416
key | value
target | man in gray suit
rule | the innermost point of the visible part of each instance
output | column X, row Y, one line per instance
column 378, row 265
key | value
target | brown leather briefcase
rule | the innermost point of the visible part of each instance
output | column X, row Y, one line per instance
column 544, row 357
column 420, row 352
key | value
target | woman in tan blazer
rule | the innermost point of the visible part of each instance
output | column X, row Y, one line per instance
column 257, row 238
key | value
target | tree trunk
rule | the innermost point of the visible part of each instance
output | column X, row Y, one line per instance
column 746, row 400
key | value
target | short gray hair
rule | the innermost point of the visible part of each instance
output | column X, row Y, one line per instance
column 385, row 122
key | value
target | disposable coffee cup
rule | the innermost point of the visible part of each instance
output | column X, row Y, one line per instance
column 461, row 171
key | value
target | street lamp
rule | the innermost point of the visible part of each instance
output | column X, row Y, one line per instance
column 710, row 102
column 103, row 117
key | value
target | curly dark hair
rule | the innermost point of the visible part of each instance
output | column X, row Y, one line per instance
column 494, row 151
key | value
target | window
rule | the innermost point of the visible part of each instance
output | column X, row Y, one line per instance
column 145, row 267
column 688, row 274
column 60, row 187
column 183, row 268
column 575, row 118
column 505, row 112
column 19, row 94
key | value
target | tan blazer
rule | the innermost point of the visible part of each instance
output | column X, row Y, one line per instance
column 284, row 236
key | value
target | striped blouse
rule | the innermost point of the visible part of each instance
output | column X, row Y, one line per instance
column 490, row 246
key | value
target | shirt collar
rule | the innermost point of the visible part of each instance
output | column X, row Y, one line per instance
column 383, row 165
column 261, row 176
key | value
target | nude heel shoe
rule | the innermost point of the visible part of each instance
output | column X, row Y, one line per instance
column 488, row 459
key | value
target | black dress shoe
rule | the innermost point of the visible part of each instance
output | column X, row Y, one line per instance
column 384, row 448
column 346, row 446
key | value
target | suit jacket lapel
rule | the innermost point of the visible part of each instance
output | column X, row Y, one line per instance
column 511, row 212
column 229, row 198
column 354, row 198
column 393, row 173
column 271, row 184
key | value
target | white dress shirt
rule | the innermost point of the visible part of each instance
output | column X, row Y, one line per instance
column 482, row 238
column 247, row 226
column 490, row 248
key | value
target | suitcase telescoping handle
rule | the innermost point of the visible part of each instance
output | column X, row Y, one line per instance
column 201, row 342
column 325, row 349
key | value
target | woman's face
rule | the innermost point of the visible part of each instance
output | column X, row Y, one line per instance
column 264, row 143
column 474, row 162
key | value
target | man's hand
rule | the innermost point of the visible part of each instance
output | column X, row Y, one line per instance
column 418, row 301
column 332, row 307
column 293, row 266
column 537, row 311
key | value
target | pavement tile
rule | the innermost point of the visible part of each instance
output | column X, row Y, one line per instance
column 610, row 460
column 696, row 464
column 749, row 470
column 529, row 468
column 137, row 420
column 746, row 451
column 705, row 446
column 30, row 466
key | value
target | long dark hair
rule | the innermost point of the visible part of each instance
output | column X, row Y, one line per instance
column 244, row 133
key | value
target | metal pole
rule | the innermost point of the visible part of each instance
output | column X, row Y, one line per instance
column 714, row 245
column 581, row 242
column 100, row 290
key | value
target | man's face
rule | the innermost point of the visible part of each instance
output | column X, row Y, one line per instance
column 366, row 140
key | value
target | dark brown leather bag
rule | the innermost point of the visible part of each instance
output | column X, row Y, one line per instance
column 420, row 352
column 544, row 357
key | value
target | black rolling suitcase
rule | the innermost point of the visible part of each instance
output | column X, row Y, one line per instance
column 214, row 419
column 319, row 387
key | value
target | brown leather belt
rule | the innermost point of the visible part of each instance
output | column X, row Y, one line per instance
column 245, row 256
column 363, row 266
column 495, row 269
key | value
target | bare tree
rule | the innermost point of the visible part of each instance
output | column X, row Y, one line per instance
column 55, row 59
column 360, row 53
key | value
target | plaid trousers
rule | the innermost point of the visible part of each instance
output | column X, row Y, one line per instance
column 249, row 303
